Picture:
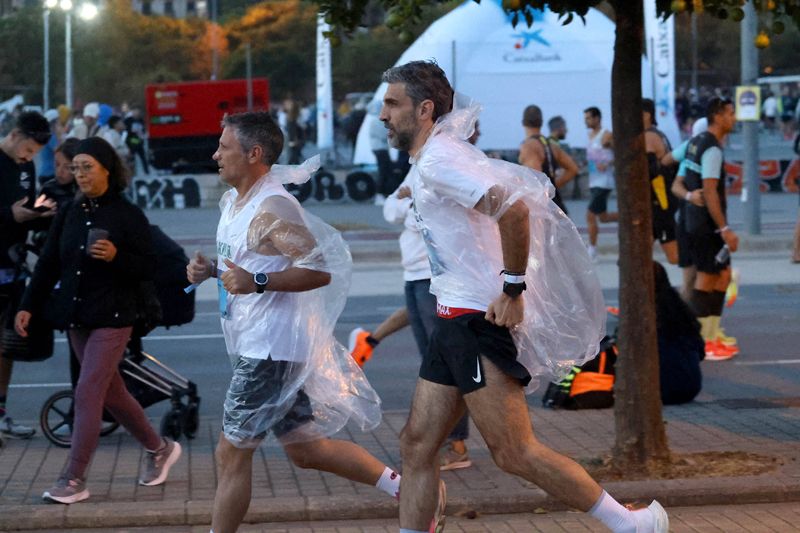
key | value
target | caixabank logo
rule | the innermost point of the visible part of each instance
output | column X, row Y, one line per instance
column 531, row 46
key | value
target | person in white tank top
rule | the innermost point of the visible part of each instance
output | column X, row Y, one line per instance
column 276, row 263
column 600, row 159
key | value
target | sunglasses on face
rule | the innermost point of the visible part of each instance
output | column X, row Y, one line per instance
column 84, row 168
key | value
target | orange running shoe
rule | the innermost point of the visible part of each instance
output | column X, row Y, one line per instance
column 360, row 349
column 716, row 351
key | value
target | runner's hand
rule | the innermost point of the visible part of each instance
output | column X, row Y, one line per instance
column 237, row 280
column 199, row 269
column 696, row 198
column 403, row 192
column 731, row 239
column 21, row 322
column 506, row 311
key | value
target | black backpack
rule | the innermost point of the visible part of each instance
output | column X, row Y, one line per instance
column 177, row 307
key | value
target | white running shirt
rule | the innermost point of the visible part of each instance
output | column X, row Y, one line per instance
column 257, row 326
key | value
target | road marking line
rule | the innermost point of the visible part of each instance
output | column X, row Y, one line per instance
column 171, row 337
column 764, row 363
column 40, row 385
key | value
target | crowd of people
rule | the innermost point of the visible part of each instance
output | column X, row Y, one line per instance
column 780, row 107
column 281, row 275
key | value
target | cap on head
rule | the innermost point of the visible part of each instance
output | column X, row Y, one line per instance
column 51, row 115
column 91, row 109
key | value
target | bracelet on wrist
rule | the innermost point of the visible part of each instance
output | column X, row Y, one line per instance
column 213, row 268
column 513, row 278
column 688, row 196
column 723, row 229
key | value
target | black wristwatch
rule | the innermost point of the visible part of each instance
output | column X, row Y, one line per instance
column 514, row 289
column 261, row 281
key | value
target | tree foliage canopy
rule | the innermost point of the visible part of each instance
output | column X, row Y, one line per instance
column 774, row 14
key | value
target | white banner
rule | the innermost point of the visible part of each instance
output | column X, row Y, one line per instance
column 324, row 88
column 661, row 55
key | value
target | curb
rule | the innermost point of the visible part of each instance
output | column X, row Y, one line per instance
column 671, row 493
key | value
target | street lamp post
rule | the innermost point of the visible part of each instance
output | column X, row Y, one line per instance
column 87, row 12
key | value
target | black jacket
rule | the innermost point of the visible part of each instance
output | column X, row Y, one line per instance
column 16, row 182
column 93, row 293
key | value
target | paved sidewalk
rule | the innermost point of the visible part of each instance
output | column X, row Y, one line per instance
column 283, row 493
column 773, row 518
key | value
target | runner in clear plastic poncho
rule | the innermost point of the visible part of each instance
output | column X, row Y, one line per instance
column 300, row 325
column 564, row 309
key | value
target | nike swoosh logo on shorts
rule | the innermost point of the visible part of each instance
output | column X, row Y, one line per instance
column 477, row 379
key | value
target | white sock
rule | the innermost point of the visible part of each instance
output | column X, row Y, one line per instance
column 389, row 482
column 615, row 516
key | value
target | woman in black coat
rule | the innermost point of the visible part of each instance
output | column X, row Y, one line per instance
column 99, row 250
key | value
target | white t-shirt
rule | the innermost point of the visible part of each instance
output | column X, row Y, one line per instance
column 413, row 254
column 596, row 153
column 258, row 326
column 463, row 245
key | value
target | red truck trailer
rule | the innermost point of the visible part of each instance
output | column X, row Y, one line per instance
column 183, row 119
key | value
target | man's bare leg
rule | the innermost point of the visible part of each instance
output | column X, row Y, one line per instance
column 393, row 323
column 434, row 412
column 235, row 471
column 591, row 226
column 343, row 458
column 500, row 412
column 608, row 217
column 671, row 251
column 689, row 277
column 796, row 246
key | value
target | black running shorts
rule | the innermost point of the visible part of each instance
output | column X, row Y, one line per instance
column 598, row 204
column 703, row 250
column 663, row 225
column 682, row 236
column 455, row 345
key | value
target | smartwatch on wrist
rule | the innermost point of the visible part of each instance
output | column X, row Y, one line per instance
column 514, row 289
column 261, row 281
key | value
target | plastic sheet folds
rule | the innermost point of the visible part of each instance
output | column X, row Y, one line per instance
column 292, row 380
column 459, row 194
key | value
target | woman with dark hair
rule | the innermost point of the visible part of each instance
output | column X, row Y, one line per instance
column 680, row 346
column 62, row 188
column 99, row 248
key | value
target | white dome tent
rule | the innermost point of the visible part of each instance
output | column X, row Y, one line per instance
column 562, row 69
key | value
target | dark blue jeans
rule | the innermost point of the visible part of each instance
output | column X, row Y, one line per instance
column 421, row 305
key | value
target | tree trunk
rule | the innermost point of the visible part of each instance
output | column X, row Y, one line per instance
column 640, row 435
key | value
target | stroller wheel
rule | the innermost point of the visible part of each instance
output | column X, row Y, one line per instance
column 172, row 423
column 191, row 420
column 56, row 418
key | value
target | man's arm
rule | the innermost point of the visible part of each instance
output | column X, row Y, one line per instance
column 276, row 236
column 515, row 243
column 679, row 190
column 712, row 168
column 569, row 168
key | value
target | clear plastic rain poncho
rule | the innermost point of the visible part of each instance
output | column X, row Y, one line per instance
column 292, row 379
column 565, row 314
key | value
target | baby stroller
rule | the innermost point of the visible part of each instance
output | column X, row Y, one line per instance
column 148, row 380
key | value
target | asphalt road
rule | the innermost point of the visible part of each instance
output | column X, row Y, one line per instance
column 765, row 319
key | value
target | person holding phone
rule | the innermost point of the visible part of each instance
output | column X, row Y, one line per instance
column 20, row 212
column 99, row 248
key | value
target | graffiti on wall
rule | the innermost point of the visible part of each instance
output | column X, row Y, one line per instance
column 165, row 192
column 775, row 175
column 358, row 186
